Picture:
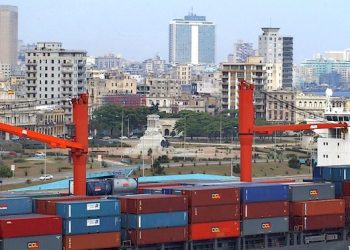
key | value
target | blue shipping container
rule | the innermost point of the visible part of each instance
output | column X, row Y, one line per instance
column 90, row 208
column 18, row 205
column 338, row 188
column 263, row 192
column 154, row 220
column 91, row 225
column 317, row 173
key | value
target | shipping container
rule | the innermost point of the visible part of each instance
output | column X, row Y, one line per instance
column 266, row 181
column 29, row 225
column 41, row 242
column 154, row 220
column 157, row 235
column 251, row 193
column 265, row 209
column 338, row 188
column 141, row 204
column 48, row 205
column 311, row 191
column 206, row 196
column 317, row 222
column 321, row 207
column 91, row 241
column 152, row 190
column 265, row 225
column 99, row 187
column 346, row 188
column 214, row 213
column 86, row 209
column 347, row 208
column 91, row 225
column 214, row 230
column 17, row 205
column 317, row 173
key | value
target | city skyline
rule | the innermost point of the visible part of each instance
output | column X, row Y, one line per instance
column 139, row 29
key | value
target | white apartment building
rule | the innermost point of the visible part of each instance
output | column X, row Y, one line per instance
column 54, row 75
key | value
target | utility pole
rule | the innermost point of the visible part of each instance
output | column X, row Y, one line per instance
column 121, row 138
column 220, row 127
column 185, row 141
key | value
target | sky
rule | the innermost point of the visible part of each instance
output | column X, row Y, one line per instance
column 138, row 29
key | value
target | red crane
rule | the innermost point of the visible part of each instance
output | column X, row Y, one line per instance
column 247, row 128
column 79, row 146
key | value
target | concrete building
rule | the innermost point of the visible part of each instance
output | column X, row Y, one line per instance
column 120, row 84
column 192, row 40
column 280, row 106
column 54, row 75
column 241, row 51
column 311, row 71
column 276, row 49
column 154, row 66
column 8, row 34
column 5, row 71
column 273, row 76
column 183, row 72
column 163, row 87
column 335, row 55
column 109, row 62
column 253, row 71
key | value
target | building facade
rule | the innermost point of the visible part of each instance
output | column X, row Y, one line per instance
column 192, row 40
column 109, row 62
column 280, row 106
column 241, row 51
column 253, row 71
column 276, row 49
column 54, row 75
column 8, row 34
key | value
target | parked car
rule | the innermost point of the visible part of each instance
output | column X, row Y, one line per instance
column 46, row 177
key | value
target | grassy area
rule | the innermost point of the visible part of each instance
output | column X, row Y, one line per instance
column 261, row 169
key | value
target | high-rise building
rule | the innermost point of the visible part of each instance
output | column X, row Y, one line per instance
column 253, row 71
column 192, row 40
column 8, row 34
column 241, row 51
column 278, row 50
column 54, row 75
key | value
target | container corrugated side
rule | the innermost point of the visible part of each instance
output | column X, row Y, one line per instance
column 91, row 225
column 142, row 237
column 321, row 207
column 17, row 205
column 43, row 242
column 311, row 191
column 214, row 213
column 142, row 204
column 265, row 225
column 317, row 222
column 92, row 241
column 85, row 209
column 154, row 220
column 206, row 196
column 263, row 192
column 29, row 225
column 48, row 205
column 265, row 209
column 214, row 230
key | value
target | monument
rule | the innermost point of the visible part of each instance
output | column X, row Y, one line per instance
column 153, row 137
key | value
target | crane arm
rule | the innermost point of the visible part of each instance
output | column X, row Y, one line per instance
column 269, row 129
column 50, row 140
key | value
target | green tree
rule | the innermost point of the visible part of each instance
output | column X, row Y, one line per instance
column 294, row 163
column 5, row 171
column 157, row 168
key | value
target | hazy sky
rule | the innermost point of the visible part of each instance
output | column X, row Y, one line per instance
column 138, row 29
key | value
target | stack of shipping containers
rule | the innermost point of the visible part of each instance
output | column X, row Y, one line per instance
column 154, row 219
column 21, row 229
column 214, row 212
column 313, row 207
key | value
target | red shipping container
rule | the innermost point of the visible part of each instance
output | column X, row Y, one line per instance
column 214, row 213
column 48, row 205
column 275, row 181
column 346, row 188
column 91, row 241
column 157, row 235
column 319, row 207
column 317, row 222
column 265, row 209
column 214, row 230
column 212, row 196
column 141, row 204
column 347, row 208
column 29, row 225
